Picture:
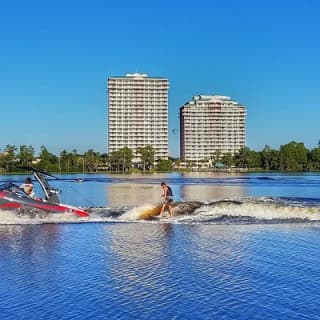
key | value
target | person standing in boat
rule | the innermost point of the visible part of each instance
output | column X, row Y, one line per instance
column 167, row 196
column 27, row 187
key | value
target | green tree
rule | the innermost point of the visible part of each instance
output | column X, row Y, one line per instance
column 254, row 159
column 293, row 157
column 9, row 157
column 266, row 157
column 314, row 159
column 126, row 156
column 121, row 160
column 147, row 157
column 48, row 161
column 2, row 162
column 269, row 158
column 26, row 155
column 74, row 160
column 241, row 158
column 63, row 157
column 104, row 161
column 68, row 161
column 164, row 165
column 114, row 162
column 227, row 159
column 91, row 160
column 274, row 160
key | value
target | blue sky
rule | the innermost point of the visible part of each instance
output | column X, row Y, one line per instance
column 57, row 55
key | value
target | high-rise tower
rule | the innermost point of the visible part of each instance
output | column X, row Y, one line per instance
column 211, row 125
column 138, row 113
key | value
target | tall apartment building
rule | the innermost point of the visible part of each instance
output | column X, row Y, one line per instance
column 138, row 113
column 211, row 125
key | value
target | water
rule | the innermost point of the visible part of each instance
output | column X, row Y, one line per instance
column 250, row 250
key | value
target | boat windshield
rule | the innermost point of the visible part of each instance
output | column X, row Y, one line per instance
column 11, row 187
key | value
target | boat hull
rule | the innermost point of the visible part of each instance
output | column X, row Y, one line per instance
column 10, row 200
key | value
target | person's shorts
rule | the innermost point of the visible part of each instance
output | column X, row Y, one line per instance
column 168, row 200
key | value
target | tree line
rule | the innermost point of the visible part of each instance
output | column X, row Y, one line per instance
column 293, row 156
column 121, row 161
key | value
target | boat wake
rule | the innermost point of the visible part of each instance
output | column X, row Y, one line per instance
column 228, row 211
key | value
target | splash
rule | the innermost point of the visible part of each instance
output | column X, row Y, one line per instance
column 245, row 210
column 228, row 211
column 144, row 212
column 34, row 216
column 256, row 211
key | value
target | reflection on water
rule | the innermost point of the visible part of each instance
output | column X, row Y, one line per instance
column 206, row 193
column 131, row 194
column 213, row 272
column 159, row 271
column 148, row 255
column 31, row 238
column 141, row 261
column 156, row 270
column 28, row 251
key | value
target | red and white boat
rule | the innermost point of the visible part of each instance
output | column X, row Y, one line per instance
column 12, row 197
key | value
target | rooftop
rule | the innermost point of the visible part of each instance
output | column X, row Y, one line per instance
column 213, row 99
column 136, row 76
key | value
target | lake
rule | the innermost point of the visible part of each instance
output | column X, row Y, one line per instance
column 238, row 247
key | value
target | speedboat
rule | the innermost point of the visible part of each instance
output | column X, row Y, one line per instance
column 12, row 197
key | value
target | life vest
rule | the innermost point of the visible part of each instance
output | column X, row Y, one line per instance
column 28, row 189
column 169, row 192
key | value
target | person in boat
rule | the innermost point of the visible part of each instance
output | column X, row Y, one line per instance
column 27, row 187
column 167, row 196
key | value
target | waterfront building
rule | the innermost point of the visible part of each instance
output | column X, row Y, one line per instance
column 138, row 113
column 211, row 125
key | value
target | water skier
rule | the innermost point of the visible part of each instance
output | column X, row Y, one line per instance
column 167, row 196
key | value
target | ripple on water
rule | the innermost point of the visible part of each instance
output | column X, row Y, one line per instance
column 160, row 271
